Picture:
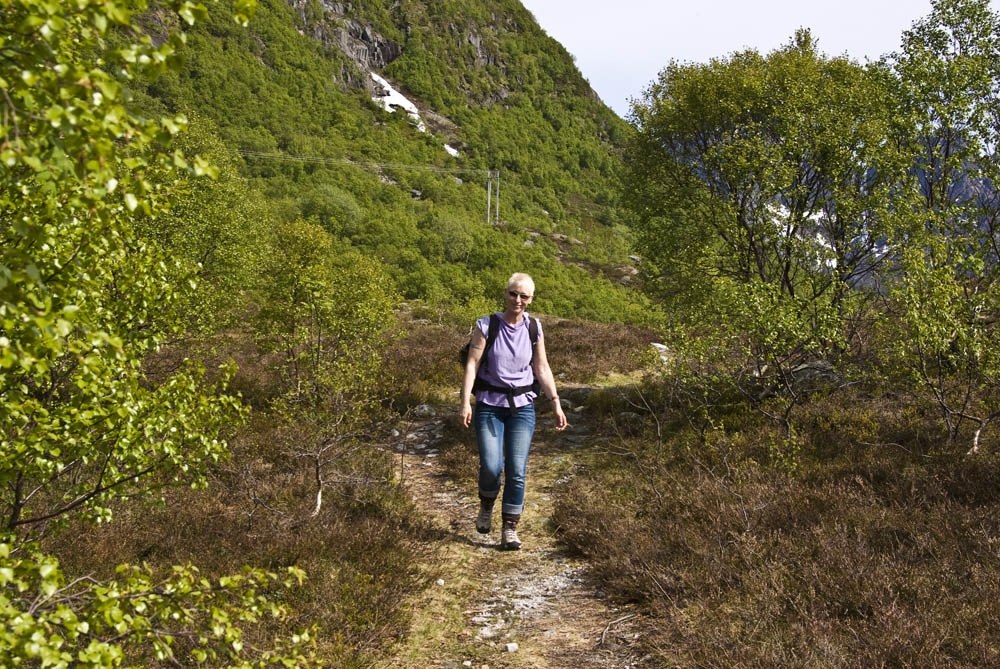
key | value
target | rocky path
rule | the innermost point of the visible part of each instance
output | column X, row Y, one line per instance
column 489, row 608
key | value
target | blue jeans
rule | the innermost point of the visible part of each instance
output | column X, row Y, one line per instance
column 504, row 441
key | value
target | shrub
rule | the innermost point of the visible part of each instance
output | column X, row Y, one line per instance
column 870, row 553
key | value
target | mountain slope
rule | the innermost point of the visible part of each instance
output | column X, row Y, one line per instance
column 294, row 95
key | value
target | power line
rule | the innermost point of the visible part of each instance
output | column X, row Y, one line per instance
column 491, row 175
column 347, row 161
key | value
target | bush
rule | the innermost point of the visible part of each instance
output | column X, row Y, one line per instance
column 359, row 554
column 871, row 552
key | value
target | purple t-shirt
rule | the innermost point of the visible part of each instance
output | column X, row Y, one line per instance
column 509, row 364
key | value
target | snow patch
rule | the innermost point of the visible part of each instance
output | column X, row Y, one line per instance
column 391, row 100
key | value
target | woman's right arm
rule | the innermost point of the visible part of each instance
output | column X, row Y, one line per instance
column 476, row 347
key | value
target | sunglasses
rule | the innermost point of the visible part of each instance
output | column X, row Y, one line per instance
column 515, row 295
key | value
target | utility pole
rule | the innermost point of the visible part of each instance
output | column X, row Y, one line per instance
column 489, row 195
column 492, row 213
column 497, row 173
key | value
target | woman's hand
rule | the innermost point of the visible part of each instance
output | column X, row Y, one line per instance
column 561, row 422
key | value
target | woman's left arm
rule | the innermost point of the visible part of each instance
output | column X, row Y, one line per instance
column 547, row 381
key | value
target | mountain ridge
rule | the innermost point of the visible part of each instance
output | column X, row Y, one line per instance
column 489, row 82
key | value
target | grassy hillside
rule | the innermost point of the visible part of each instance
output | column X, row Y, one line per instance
column 285, row 96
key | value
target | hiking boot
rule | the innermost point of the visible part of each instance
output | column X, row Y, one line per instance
column 484, row 521
column 508, row 535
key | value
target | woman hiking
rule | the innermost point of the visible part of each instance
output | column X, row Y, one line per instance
column 506, row 380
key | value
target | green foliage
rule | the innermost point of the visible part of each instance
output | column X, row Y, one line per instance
column 83, row 298
column 327, row 315
column 804, row 206
column 212, row 232
column 756, row 185
column 320, row 304
column 46, row 625
column 86, row 296
column 510, row 100
column 947, row 300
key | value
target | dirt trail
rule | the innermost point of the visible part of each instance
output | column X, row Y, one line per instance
column 490, row 608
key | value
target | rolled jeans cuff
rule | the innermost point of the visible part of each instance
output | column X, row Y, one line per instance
column 512, row 509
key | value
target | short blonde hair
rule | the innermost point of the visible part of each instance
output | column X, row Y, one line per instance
column 523, row 280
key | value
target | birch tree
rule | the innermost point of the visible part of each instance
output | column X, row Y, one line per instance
column 948, row 298
column 84, row 300
column 759, row 186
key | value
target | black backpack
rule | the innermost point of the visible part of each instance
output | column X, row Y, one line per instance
column 491, row 336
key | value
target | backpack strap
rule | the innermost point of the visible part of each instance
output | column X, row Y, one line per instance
column 533, row 335
column 491, row 336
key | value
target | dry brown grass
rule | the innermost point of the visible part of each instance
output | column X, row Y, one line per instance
column 874, row 549
column 582, row 352
column 423, row 364
column 424, row 368
column 865, row 540
column 358, row 552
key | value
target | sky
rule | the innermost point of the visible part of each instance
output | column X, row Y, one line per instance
column 620, row 46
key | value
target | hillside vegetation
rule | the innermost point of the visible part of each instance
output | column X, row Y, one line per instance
column 283, row 97
column 229, row 277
